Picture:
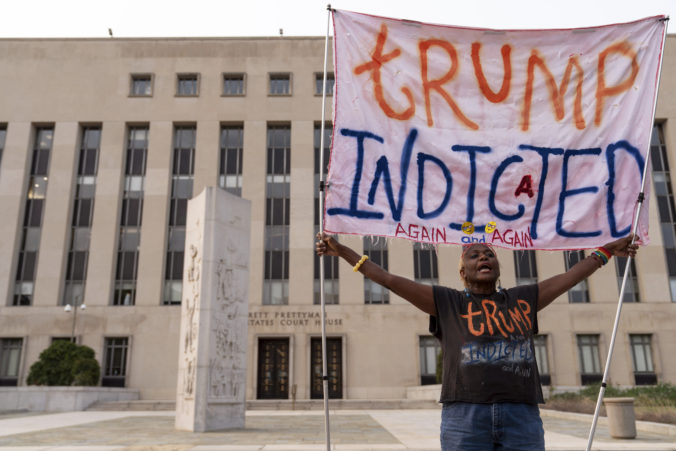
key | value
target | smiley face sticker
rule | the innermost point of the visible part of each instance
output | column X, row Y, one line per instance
column 491, row 226
column 468, row 228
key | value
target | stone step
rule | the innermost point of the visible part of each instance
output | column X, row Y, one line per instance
column 134, row 405
column 280, row 404
column 341, row 404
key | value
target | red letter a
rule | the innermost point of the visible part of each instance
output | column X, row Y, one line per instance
column 525, row 186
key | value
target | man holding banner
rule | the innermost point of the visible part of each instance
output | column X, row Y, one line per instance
column 491, row 387
column 522, row 139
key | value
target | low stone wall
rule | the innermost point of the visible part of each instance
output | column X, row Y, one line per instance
column 428, row 392
column 56, row 399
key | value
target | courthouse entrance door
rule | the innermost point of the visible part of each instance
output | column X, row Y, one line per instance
column 273, row 368
column 334, row 355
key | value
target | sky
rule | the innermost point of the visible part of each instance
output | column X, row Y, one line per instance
column 202, row 18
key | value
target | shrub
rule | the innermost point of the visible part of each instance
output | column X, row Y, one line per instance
column 645, row 395
column 592, row 391
column 65, row 363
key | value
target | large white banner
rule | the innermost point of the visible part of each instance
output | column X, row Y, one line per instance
column 519, row 138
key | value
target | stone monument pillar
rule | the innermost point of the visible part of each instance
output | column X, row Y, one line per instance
column 214, row 309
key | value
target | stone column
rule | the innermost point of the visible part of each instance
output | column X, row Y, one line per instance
column 213, row 338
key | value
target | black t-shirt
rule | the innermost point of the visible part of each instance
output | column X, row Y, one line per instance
column 487, row 344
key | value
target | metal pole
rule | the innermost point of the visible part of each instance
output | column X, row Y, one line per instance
column 639, row 202
column 325, row 375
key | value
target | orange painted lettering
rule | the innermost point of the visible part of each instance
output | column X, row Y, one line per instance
column 556, row 94
column 516, row 318
column 437, row 85
column 525, row 308
column 495, row 97
column 376, row 63
column 603, row 91
column 510, row 326
column 470, row 321
column 490, row 316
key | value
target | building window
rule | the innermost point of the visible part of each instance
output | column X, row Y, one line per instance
column 230, row 166
column 280, row 84
column 631, row 288
column 183, row 169
column 141, row 85
column 187, row 85
column 642, row 356
column 664, row 195
column 525, row 267
column 319, row 82
column 131, row 216
column 3, row 136
column 590, row 361
column 425, row 264
column 376, row 250
column 429, row 350
column 32, row 223
column 83, row 212
column 277, row 212
column 328, row 136
column 580, row 292
column 233, row 84
column 540, row 344
column 115, row 362
column 10, row 359
column 331, row 292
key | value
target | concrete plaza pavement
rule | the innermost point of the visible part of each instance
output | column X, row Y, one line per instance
column 268, row 430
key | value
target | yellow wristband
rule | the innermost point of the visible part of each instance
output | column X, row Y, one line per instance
column 360, row 262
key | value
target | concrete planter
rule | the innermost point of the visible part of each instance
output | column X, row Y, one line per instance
column 621, row 417
column 43, row 398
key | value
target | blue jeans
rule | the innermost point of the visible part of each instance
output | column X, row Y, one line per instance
column 501, row 426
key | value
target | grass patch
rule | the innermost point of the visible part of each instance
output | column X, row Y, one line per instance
column 651, row 403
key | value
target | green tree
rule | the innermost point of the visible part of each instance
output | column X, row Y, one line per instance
column 65, row 363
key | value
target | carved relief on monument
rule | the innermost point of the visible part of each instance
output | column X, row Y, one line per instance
column 224, row 384
column 191, row 305
column 212, row 380
column 228, row 364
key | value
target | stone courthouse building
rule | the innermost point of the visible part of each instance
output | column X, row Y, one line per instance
column 103, row 141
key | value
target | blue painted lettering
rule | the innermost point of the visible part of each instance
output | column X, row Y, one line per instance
column 610, row 204
column 471, row 151
column 422, row 158
column 383, row 170
column 544, row 153
column 565, row 192
column 500, row 351
column 473, row 239
column 494, row 188
column 442, row 199
column 353, row 210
